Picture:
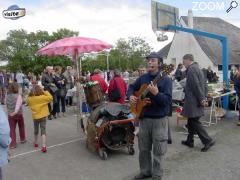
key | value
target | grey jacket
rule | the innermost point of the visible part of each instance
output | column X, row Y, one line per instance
column 47, row 80
column 194, row 92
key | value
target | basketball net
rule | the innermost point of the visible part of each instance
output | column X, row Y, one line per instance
column 161, row 36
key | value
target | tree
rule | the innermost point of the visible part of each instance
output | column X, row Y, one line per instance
column 127, row 54
column 20, row 49
column 131, row 53
column 63, row 33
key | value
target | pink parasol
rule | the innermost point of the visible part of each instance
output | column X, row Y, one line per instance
column 74, row 46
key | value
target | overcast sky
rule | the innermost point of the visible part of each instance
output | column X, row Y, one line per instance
column 107, row 20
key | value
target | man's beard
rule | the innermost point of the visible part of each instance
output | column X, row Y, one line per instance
column 151, row 70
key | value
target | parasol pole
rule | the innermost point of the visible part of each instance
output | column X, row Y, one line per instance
column 80, row 91
column 76, row 61
column 107, row 62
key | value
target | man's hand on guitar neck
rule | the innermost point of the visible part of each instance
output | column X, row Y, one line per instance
column 153, row 88
column 133, row 99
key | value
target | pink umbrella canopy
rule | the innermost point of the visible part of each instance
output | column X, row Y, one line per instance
column 73, row 45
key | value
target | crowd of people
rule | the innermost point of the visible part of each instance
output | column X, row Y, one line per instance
column 48, row 97
column 209, row 75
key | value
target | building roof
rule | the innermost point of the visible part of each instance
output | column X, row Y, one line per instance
column 212, row 47
column 164, row 51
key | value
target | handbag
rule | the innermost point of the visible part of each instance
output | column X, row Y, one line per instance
column 53, row 89
column 114, row 96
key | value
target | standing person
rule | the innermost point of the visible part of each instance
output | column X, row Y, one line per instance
column 4, row 140
column 38, row 101
column 153, row 129
column 233, row 73
column 3, row 86
column 204, row 70
column 60, row 82
column 19, row 78
column 15, row 114
column 49, row 85
column 69, row 83
column 179, row 75
column 237, row 89
column 126, row 76
column 30, row 76
column 97, row 76
column 117, row 84
column 8, row 74
column 210, row 74
column 108, row 76
column 194, row 103
column 141, row 71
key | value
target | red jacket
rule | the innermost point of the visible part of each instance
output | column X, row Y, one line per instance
column 122, row 86
column 101, row 81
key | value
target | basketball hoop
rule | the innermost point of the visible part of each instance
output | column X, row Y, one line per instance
column 162, row 16
column 161, row 36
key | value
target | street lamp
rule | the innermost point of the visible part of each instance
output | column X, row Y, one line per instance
column 106, row 54
column 97, row 54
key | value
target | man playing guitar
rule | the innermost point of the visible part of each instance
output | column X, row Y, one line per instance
column 153, row 129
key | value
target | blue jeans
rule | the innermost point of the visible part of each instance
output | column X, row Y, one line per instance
column 62, row 100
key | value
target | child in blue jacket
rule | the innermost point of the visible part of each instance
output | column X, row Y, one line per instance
column 4, row 139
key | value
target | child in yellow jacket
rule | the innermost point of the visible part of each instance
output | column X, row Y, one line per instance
column 38, row 100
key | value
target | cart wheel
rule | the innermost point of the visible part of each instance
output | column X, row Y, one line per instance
column 131, row 150
column 103, row 154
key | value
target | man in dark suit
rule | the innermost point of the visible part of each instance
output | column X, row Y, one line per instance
column 194, row 103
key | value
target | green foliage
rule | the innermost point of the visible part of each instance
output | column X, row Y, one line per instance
column 63, row 33
column 20, row 48
column 128, row 54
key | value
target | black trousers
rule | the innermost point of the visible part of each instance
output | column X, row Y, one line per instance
column 50, row 108
column 195, row 127
column 61, row 100
column 54, row 109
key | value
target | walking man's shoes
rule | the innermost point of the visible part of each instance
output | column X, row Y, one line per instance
column 142, row 176
column 208, row 146
column 169, row 141
column 187, row 143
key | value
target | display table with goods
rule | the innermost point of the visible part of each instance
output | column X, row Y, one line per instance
column 215, row 94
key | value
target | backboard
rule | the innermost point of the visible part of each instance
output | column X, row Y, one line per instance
column 163, row 15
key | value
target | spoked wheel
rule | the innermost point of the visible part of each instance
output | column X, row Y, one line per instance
column 103, row 154
column 131, row 150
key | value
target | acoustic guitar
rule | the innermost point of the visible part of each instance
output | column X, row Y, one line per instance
column 141, row 94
